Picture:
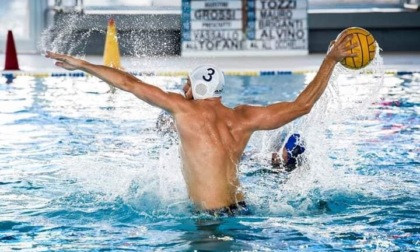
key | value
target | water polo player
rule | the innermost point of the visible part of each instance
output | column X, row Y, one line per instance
column 213, row 136
column 290, row 153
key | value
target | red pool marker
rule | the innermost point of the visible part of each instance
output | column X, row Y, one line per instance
column 11, row 62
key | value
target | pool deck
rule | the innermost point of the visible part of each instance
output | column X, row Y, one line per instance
column 392, row 62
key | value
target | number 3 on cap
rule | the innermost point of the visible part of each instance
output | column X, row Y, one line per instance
column 210, row 73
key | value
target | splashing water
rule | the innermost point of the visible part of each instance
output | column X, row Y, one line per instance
column 330, row 164
column 158, row 184
column 73, row 33
column 332, row 137
column 147, row 175
column 85, row 168
column 66, row 35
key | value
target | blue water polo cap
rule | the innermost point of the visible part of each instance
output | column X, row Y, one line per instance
column 294, row 147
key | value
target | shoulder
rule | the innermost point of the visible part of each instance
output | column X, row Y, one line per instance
column 247, row 110
column 179, row 103
column 247, row 115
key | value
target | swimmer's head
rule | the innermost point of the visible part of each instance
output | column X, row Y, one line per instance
column 294, row 147
column 207, row 81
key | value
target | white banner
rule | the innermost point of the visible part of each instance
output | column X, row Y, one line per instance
column 217, row 34
column 276, row 24
column 217, row 4
column 213, row 45
column 216, row 14
column 281, row 34
column 260, row 27
column 280, row 14
column 275, row 45
column 281, row 4
column 216, row 25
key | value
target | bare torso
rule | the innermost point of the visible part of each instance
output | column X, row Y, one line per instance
column 212, row 141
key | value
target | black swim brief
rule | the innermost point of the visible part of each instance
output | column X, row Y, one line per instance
column 239, row 208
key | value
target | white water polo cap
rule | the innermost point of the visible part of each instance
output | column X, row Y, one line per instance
column 207, row 81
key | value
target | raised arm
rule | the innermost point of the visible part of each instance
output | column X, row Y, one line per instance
column 279, row 114
column 122, row 80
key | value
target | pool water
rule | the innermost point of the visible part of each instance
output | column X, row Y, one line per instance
column 84, row 169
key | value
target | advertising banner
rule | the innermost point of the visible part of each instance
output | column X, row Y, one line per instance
column 248, row 27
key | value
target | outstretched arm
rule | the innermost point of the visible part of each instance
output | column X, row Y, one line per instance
column 279, row 114
column 122, row 80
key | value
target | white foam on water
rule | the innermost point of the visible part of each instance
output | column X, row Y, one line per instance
column 129, row 161
column 331, row 132
column 148, row 186
column 158, row 183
